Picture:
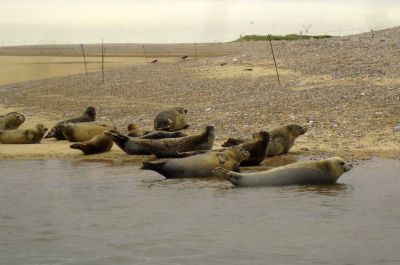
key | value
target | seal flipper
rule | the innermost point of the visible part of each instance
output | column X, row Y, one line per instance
column 30, row 136
column 78, row 146
column 220, row 172
column 51, row 133
column 157, row 166
column 232, row 177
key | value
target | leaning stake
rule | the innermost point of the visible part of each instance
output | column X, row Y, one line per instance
column 273, row 56
column 102, row 60
column 84, row 58
column 145, row 55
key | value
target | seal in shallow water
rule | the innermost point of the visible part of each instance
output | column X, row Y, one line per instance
column 23, row 136
column 200, row 165
column 320, row 172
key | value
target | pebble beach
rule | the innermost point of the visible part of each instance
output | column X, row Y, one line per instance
column 345, row 90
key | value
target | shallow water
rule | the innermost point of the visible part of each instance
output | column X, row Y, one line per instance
column 65, row 212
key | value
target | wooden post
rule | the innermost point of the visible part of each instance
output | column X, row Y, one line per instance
column 102, row 60
column 145, row 55
column 273, row 56
column 84, row 58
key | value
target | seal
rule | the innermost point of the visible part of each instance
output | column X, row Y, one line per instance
column 128, row 144
column 200, row 165
column 134, row 130
column 23, row 136
column 321, row 172
column 83, row 131
column 162, row 135
column 171, row 120
column 88, row 116
column 98, row 144
column 11, row 121
column 257, row 149
column 281, row 139
column 172, row 147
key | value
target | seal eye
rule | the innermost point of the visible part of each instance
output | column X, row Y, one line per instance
column 342, row 163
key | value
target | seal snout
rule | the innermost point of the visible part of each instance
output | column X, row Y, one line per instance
column 347, row 167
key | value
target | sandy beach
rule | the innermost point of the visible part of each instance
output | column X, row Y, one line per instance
column 345, row 90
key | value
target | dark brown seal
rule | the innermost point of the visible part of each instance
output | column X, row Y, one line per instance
column 257, row 149
column 98, row 144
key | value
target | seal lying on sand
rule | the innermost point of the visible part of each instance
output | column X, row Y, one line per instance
column 172, row 147
column 162, row 135
column 88, row 116
column 11, row 121
column 281, row 139
column 171, row 120
column 257, row 149
column 200, row 165
column 23, row 136
column 83, row 131
column 134, row 130
column 129, row 145
column 320, row 172
column 98, row 144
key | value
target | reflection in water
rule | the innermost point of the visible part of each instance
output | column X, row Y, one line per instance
column 63, row 212
column 323, row 189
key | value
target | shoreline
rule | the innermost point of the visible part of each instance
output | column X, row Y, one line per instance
column 51, row 149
